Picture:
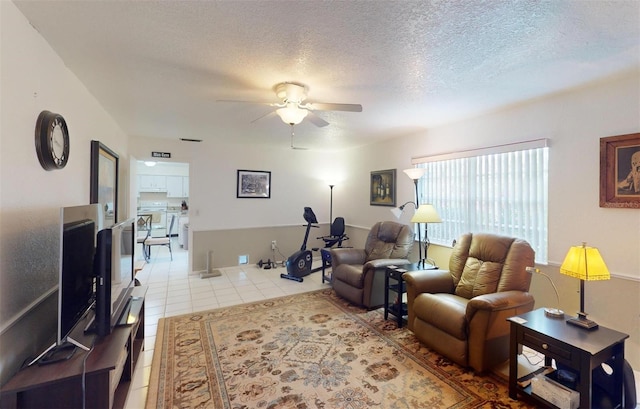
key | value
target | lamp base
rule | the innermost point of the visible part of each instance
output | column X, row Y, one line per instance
column 582, row 321
column 553, row 313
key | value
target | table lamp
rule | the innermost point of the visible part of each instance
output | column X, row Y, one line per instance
column 426, row 213
column 586, row 264
column 549, row 312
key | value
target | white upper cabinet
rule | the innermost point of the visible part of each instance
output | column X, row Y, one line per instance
column 185, row 186
column 177, row 186
column 165, row 177
column 153, row 183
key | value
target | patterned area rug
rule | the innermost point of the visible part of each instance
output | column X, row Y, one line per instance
column 305, row 351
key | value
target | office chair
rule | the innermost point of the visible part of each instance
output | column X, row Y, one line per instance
column 336, row 234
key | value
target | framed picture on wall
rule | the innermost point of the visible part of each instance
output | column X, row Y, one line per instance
column 383, row 188
column 253, row 184
column 104, row 182
column 620, row 171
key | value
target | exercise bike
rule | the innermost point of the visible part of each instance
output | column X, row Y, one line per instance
column 299, row 263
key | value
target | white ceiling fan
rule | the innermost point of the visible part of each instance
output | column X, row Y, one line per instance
column 292, row 109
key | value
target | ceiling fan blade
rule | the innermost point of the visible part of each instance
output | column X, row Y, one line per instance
column 268, row 114
column 325, row 106
column 273, row 104
column 316, row 120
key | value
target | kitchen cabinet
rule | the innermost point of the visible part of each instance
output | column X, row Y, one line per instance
column 152, row 183
column 177, row 186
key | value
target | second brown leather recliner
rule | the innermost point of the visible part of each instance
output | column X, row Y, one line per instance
column 358, row 274
column 462, row 313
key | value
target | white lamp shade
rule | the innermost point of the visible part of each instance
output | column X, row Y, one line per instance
column 397, row 212
column 291, row 114
column 426, row 213
column 415, row 173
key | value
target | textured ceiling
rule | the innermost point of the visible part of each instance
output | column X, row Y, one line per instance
column 159, row 68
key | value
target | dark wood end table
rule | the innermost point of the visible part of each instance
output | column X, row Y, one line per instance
column 576, row 348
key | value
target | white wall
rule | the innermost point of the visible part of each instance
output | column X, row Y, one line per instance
column 299, row 178
column 33, row 79
column 574, row 122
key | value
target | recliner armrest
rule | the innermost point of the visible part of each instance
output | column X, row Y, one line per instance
column 347, row 256
column 425, row 281
column 498, row 301
column 386, row 262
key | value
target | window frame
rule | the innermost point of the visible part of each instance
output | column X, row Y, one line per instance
column 523, row 184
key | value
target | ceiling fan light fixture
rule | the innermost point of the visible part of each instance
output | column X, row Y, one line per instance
column 291, row 114
column 291, row 92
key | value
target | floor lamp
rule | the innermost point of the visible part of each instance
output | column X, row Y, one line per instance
column 331, row 208
column 415, row 174
column 426, row 214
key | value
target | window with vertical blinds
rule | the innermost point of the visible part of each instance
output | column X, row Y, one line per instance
column 500, row 190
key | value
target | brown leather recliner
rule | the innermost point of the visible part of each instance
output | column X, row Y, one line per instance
column 358, row 274
column 462, row 313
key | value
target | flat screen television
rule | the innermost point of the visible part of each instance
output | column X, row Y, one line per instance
column 114, row 265
column 76, row 280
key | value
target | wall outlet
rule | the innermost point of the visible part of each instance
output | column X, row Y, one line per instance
column 274, row 244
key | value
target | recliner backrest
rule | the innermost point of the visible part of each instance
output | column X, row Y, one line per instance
column 389, row 240
column 488, row 263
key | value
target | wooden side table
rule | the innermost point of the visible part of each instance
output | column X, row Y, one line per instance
column 106, row 371
column 394, row 283
column 576, row 348
column 326, row 263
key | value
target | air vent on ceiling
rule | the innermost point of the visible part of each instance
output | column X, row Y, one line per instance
column 190, row 140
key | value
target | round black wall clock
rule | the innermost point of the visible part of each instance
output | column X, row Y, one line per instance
column 52, row 140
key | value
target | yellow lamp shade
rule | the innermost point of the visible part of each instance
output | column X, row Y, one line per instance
column 426, row 213
column 585, row 263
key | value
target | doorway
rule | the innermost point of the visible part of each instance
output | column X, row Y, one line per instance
column 163, row 194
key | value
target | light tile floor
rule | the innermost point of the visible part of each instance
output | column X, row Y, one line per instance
column 174, row 291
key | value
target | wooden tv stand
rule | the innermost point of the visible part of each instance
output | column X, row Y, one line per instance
column 108, row 374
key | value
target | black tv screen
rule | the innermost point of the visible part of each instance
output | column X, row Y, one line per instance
column 122, row 263
column 114, row 272
column 76, row 286
column 76, row 280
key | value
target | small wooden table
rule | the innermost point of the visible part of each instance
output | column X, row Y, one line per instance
column 579, row 349
column 394, row 283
